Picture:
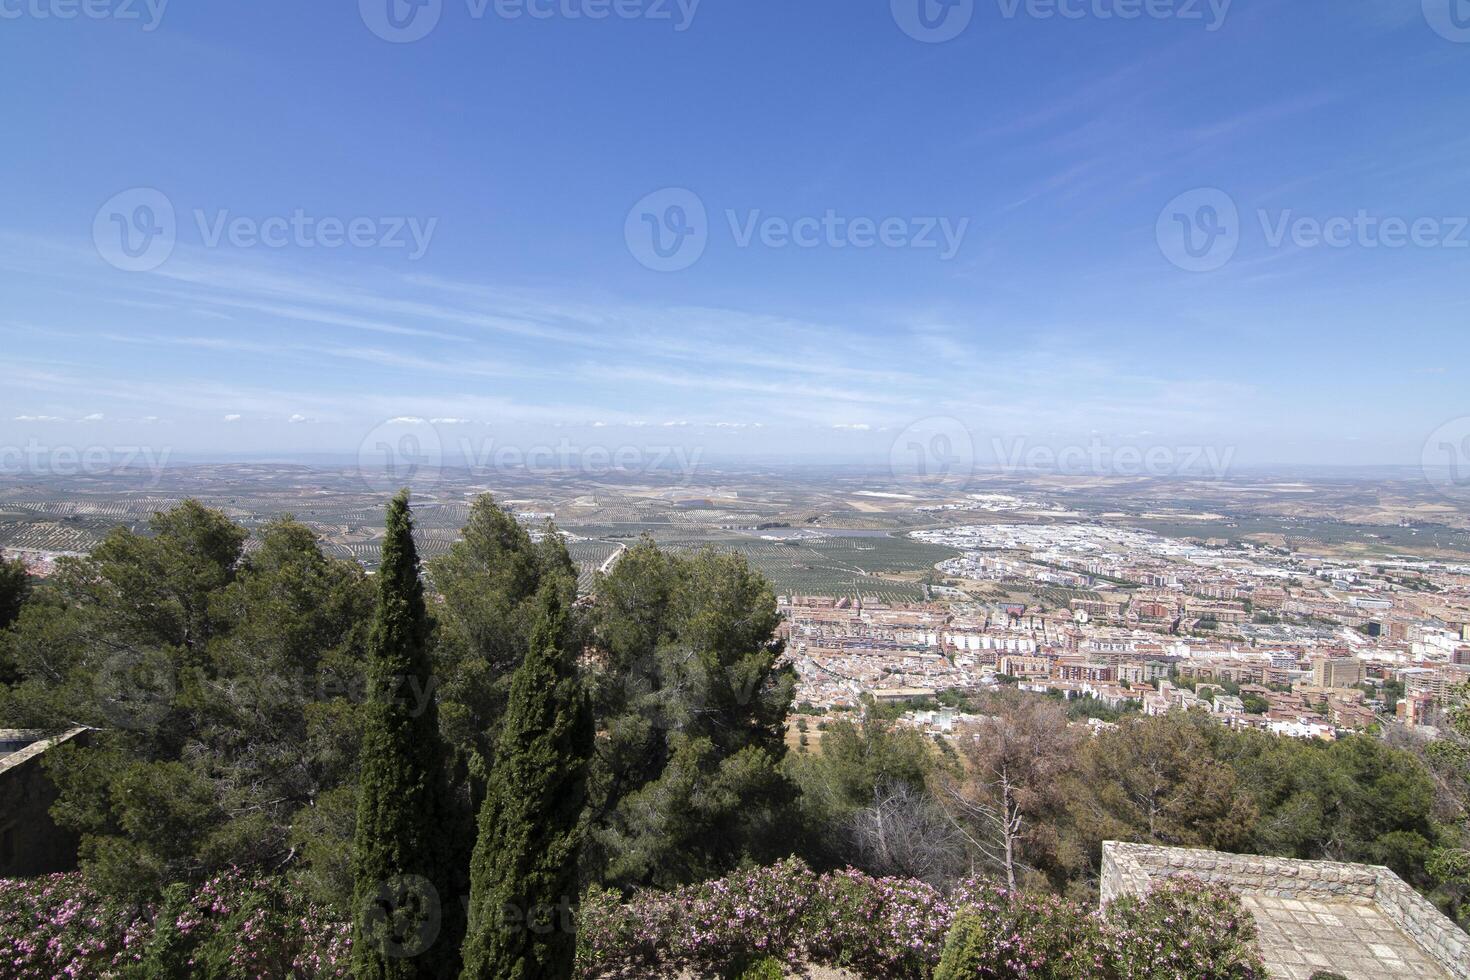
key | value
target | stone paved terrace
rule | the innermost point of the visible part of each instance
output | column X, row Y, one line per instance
column 1300, row 936
column 1354, row 919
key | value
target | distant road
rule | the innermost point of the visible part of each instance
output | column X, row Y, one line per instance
column 612, row 559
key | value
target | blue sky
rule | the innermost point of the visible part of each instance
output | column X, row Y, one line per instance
column 1025, row 175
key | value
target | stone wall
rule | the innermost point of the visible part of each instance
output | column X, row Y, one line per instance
column 30, row 841
column 1134, row 868
column 1421, row 920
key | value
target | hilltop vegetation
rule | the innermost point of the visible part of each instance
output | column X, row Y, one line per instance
column 228, row 691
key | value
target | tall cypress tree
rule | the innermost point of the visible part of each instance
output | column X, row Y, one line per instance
column 524, row 872
column 404, row 906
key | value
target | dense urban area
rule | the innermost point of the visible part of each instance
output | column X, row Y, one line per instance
column 1129, row 620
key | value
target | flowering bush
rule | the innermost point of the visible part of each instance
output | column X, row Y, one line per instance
column 879, row 927
column 750, row 924
column 230, row 927
column 896, row 929
column 718, row 926
column 1183, row 929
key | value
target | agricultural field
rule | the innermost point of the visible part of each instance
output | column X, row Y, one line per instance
column 881, row 566
column 810, row 530
column 599, row 522
column 431, row 543
column 49, row 536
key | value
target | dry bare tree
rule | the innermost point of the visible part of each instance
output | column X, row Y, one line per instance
column 906, row 833
column 1011, row 774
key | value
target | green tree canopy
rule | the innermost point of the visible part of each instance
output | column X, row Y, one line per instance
column 861, row 765
column 1159, row 780
column 1449, row 759
column 219, row 686
column 856, row 759
column 488, row 582
column 15, row 591
column 1356, row 799
column 692, row 705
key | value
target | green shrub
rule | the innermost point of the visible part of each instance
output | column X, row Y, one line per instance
column 966, row 948
column 766, row 968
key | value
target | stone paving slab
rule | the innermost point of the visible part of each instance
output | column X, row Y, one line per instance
column 1359, row 919
column 1349, row 936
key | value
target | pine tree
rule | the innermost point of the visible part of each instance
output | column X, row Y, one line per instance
column 694, row 699
column 404, row 906
column 524, row 872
